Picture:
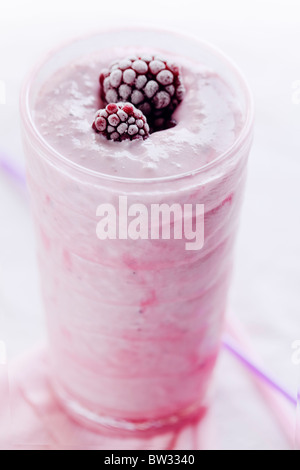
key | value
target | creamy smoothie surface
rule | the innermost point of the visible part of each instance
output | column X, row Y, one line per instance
column 209, row 120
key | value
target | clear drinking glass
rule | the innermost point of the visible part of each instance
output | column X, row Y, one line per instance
column 143, row 359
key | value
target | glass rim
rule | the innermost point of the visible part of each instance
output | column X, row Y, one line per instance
column 45, row 147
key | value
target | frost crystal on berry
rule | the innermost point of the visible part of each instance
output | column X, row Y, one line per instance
column 129, row 77
column 140, row 66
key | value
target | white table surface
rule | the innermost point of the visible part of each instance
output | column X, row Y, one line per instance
column 263, row 38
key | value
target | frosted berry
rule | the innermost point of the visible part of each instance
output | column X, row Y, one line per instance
column 121, row 121
column 150, row 83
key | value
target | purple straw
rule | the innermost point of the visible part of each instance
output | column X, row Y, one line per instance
column 12, row 171
column 256, row 370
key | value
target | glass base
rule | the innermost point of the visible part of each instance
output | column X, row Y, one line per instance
column 96, row 422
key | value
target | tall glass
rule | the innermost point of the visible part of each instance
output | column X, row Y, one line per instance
column 134, row 326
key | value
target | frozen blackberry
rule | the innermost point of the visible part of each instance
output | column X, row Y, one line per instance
column 151, row 83
column 121, row 121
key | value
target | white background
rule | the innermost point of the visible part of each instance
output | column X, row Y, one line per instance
column 263, row 37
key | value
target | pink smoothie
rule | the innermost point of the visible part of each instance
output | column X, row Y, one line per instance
column 134, row 325
column 209, row 121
